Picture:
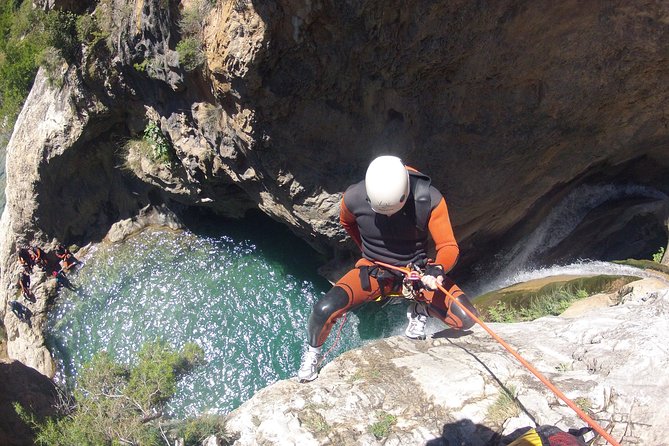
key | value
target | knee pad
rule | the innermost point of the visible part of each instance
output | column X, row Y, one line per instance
column 466, row 321
column 334, row 300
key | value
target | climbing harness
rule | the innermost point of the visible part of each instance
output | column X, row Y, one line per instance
column 411, row 285
column 411, row 289
column 585, row 417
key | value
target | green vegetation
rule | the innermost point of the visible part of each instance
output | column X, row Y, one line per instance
column 563, row 367
column 30, row 38
column 195, row 430
column 109, row 17
column 548, row 304
column 114, row 404
column 192, row 18
column 61, row 33
column 583, row 403
column 645, row 264
column 161, row 149
column 153, row 145
column 515, row 304
column 89, row 30
column 18, row 51
column 52, row 61
column 141, row 67
column 190, row 53
column 370, row 374
column 314, row 422
column 385, row 421
column 504, row 407
column 191, row 24
column 657, row 257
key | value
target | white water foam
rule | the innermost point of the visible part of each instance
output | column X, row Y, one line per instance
column 561, row 221
column 583, row 267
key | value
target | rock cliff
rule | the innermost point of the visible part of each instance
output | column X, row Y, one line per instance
column 510, row 107
column 453, row 389
column 24, row 385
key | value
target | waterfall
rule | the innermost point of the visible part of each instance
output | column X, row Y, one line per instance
column 518, row 263
column 582, row 267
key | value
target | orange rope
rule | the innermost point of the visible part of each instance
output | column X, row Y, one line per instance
column 584, row 416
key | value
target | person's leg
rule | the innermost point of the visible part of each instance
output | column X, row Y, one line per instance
column 441, row 306
column 345, row 295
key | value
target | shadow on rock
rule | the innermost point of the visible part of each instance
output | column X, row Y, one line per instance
column 451, row 333
column 465, row 433
column 34, row 391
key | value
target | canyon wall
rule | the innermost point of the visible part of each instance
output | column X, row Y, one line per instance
column 509, row 107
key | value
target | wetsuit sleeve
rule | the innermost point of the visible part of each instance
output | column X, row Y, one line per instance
column 347, row 220
column 442, row 234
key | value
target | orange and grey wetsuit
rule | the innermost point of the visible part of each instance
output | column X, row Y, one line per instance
column 399, row 239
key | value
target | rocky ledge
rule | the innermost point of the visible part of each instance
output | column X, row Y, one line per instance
column 450, row 389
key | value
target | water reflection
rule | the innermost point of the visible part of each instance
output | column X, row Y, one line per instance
column 244, row 302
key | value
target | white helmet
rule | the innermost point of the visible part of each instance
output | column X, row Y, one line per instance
column 387, row 184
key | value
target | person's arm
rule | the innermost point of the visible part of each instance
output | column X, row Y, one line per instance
column 442, row 233
column 348, row 221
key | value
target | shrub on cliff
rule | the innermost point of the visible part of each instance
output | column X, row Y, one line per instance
column 117, row 404
column 18, row 50
column 161, row 149
column 191, row 25
column 25, row 34
column 190, row 53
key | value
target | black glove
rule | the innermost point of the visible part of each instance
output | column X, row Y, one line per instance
column 434, row 269
column 433, row 276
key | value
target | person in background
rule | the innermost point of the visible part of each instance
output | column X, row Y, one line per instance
column 390, row 215
column 24, row 284
column 38, row 257
column 25, row 259
column 62, row 280
column 67, row 259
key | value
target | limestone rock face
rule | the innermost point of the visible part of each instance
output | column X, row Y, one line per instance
column 61, row 186
column 446, row 390
column 36, row 393
column 509, row 107
column 507, row 111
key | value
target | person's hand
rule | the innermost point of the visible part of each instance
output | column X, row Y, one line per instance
column 433, row 276
column 431, row 282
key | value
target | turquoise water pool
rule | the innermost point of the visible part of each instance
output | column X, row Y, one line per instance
column 242, row 291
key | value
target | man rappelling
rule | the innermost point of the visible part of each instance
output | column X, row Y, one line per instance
column 390, row 215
